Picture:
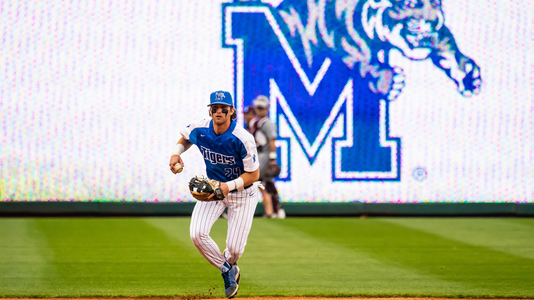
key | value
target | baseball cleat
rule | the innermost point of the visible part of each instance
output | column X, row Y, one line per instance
column 231, row 281
column 238, row 275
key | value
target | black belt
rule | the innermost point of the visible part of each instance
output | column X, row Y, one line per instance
column 246, row 187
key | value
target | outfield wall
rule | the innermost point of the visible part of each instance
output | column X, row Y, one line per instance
column 292, row 209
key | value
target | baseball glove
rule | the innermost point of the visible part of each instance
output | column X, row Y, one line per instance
column 201, row 188
column 272, row 171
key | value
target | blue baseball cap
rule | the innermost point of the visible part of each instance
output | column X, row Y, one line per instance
column 221, row 97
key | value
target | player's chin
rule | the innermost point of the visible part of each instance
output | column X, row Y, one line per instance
column 219, row 119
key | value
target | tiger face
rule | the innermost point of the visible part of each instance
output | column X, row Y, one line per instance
column 413, row 25
column 421, row 19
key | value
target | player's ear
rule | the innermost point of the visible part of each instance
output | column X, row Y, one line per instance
column 209, row 111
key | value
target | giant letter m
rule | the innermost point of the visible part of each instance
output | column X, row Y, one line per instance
column 310, row 98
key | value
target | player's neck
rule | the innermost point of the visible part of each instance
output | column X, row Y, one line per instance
column 222, row 128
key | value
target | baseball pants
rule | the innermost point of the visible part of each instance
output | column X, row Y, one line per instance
column 241, row 208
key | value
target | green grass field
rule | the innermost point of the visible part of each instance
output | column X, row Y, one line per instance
column 439, row 257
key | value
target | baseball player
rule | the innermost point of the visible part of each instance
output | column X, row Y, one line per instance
column 249, row 113
column 264, row 132
column 231, row 157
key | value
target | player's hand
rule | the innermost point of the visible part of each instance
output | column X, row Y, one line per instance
column 224, row 188
column 175, row 159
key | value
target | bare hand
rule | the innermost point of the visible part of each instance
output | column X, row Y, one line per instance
column 174, row 160
column 225, row 189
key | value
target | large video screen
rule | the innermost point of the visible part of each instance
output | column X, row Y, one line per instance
column 373, row 100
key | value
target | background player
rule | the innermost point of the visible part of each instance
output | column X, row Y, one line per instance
column 249, row 113
column 264, row 131
column 231, row 157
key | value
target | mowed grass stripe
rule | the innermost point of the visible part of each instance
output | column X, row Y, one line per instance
column 23, row 266
column 177, row 229
column 135, row 257
column 296, row 257
column 284, row 262
column 481, row 271
column 118, row 257
column 500, row 234
column 523, row 221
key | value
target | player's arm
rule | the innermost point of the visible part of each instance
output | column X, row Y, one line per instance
column 179, row 148
column 245, row 179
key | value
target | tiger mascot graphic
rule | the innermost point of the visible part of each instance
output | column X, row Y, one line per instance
column 364, row 32
column 326, row 60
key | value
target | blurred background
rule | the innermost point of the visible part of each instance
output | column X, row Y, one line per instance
column 93, row 95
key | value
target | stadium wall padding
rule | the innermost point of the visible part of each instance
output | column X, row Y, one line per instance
column 303, row 209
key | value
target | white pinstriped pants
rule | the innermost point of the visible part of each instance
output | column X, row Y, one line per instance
column 241, row 207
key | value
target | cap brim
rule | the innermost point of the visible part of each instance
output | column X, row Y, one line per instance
column 219, row 103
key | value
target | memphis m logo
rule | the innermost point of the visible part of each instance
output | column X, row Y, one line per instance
column 326, row 62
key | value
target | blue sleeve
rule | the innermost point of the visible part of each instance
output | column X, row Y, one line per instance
column 193, row 136
column 192, row 131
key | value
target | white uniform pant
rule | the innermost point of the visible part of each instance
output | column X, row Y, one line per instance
column 241, row 207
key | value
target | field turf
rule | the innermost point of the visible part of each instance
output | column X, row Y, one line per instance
column 139, row 257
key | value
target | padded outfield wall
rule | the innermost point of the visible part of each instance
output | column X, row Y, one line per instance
column 376, row 102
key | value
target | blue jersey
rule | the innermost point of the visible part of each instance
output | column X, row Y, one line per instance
column 228, row 155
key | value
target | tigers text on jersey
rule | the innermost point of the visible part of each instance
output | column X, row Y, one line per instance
column 228, row 155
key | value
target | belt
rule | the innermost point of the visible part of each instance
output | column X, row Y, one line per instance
column 246, row 187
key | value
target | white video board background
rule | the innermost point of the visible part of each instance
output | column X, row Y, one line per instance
column 93, row 95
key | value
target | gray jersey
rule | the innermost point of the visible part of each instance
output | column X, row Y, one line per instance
column 263, row 130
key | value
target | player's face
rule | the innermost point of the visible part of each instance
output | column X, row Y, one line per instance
column 261, row 111
column 221, row 113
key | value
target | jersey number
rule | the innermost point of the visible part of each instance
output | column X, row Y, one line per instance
column 232, row 172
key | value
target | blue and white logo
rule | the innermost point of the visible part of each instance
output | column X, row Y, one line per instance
column 326, row 62
column 219, row 96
